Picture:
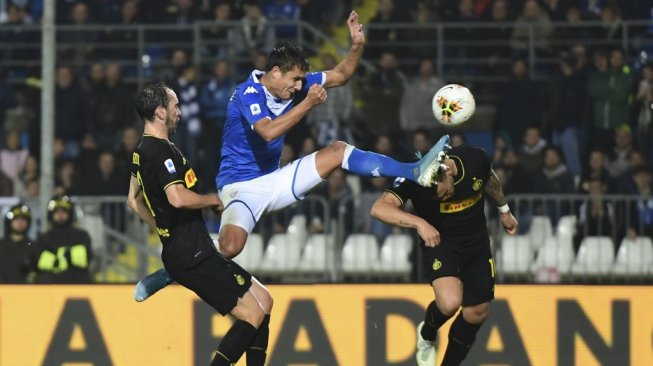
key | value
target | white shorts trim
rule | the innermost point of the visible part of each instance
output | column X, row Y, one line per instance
column 245, row 202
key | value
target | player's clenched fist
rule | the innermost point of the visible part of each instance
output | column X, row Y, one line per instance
column 316, row 95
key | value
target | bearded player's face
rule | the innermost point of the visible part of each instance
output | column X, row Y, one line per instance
column 173, row 113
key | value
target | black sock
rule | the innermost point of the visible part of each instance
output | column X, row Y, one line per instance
column 461, row 338
column 234, row 343
column 256, row 351
column 433, row 321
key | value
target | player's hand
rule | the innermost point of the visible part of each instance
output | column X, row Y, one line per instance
column 428, row 233
column 218, row 206
column 510, row 224
column 316, row 95
column 355, row 29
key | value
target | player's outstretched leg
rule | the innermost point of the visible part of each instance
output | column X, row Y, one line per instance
column 423, row 172
column 152, row 283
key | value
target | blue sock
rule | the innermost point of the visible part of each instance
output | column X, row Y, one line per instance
column 369, row 164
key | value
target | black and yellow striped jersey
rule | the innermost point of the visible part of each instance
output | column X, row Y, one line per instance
column 461, row 218
column 157, row 164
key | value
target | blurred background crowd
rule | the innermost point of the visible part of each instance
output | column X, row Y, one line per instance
column 564, row 90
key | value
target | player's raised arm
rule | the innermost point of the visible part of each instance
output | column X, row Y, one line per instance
column 494, row 190
column 340, row 74
column 387, row 208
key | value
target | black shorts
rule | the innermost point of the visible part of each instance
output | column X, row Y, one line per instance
column 217, row 280
column 474, row 268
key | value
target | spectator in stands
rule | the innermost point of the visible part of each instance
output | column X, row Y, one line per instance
column 519, row 180
column 618, row 157
column 596, row 216
column 77, row 45
column 415, row 110
column 518, row 104
column 13, row 156
column 331, row 119
column 108, row 179
column 283, row 11
column 383, row 35
column 213, row 104
column 531, row 154
column 641, row 211
column 16, row 16
column 612, row 25
column 421, row 141
column 114, row 112
column 179, row 61
column 500, row 33
column 7, row 97
column 29, row 173
column 104, row 11
column 220, row 33
column 555, row 9
column 573, row 26
column 254, row 33
column 86, row 162
column 554, row 177
column 128, row 38
column 625, row 183
column 423, row 20
column 188, row 135
column 63, row 253
column 644, row 105
column 70, row 109
column 381, row 94
column 128, row 142
column 15, row 247
column 596, row 170
column 67, row 179
column 610, row 90
column 532, row 15
column 567, row 98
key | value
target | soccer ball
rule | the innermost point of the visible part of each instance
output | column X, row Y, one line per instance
column 453, row 104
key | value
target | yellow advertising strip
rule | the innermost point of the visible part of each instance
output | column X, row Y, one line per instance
column 328, row 325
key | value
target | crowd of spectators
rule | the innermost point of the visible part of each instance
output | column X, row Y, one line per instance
column 585, row 127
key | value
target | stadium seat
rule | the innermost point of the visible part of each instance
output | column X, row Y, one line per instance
column 539, row 231
column 395, row 253
column 515, row 254
column 314, row 257
column 94, row 225
column 566, row 226
column 595, row 256
column 297, row 228
column 250, row 257
column 554, row 254
column 635, row 257
column 360, row 254
column 281, row 254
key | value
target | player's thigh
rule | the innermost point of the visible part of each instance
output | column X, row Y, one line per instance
column 262, row 294
column 477, row 275
column 218, row 281
column 248, row 309
column 245, row 202
column 442, row 264
column 294, row 181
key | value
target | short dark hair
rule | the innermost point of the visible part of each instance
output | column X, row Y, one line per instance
column 286, row 56
column 150, row 98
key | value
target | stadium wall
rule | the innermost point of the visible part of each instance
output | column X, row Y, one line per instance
column 322, row 325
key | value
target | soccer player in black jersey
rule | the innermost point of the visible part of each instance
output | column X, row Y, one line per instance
column 163, row 192
column 450, row 220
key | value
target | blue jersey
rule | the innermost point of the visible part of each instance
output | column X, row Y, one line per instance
column 245, row 155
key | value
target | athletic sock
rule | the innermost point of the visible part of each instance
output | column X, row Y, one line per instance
column 234, row 343
column 369, row 164
column 433, row 321
column 461, row 338
column 256, row 352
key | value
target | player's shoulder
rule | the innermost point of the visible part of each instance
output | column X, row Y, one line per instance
column 251, row 86
column 152, row 146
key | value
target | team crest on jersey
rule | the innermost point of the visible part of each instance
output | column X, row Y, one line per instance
column 477, row 184
column 255, row 109
column 190, row 178
column 250, row 90
column 240, row 280
column 170, row 166
column 437, row 265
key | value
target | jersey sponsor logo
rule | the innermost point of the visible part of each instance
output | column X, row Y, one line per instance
column 170, row 166
column 190, row 178
column 255, row 109
column 437, row 265
column 136, row 159
column 478, row 183
column 250, row 90
column 457, row 206
column 240, row 280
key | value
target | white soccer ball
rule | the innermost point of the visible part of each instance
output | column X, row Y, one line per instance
column 453, row 104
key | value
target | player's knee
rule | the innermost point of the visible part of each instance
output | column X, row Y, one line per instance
column 267, row 303
column 448, row 305
column 476, row 314
column 230, row 248
column 254, row 316
column 337, row 149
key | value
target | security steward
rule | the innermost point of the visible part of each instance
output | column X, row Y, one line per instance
column 16, row 246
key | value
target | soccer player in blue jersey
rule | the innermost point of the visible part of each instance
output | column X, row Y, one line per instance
column 259, row 114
